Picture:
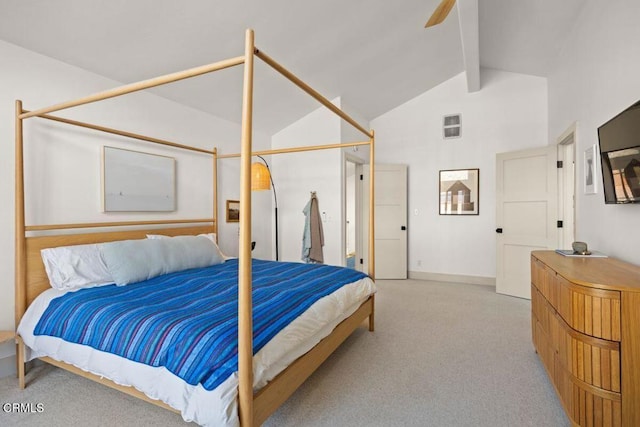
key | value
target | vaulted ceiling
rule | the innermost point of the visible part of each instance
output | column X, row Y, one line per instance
column 375, row 54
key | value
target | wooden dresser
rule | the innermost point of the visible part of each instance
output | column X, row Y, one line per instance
column 585, row 320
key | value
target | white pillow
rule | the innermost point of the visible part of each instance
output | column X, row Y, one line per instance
column 131, row 261
column 210, row 236
column 78, row 266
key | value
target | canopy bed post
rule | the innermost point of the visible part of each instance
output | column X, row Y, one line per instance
column 245, row 319
column 215, row 190
column 372, row 193
column 19, row 213
column 20, row 260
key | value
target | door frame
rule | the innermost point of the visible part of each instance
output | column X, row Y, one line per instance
column 567, row 143
column 358, row 163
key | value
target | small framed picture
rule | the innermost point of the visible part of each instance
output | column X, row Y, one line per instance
column 233, row 211
column 590, row 170
column 459, row 194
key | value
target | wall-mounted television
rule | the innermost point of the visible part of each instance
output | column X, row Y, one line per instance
column 619, row 141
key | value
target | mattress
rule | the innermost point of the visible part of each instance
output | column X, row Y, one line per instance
column 217, row 407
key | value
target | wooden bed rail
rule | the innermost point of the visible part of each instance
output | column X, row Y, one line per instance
column 121, row 133
column 115, row 224
column 315, row 94
column 134, row 87
column 298, row 149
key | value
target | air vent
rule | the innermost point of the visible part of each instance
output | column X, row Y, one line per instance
column 452, row 126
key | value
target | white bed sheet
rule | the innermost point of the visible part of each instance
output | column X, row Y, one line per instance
column 217, row 407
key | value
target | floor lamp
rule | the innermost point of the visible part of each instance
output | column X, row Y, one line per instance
column 261, row 180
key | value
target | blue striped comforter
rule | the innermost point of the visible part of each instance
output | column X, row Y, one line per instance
column 187, row 321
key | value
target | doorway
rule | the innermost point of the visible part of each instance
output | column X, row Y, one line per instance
column 352, row 206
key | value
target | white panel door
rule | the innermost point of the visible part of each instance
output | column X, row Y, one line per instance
column 526, row 215
column 390, row 219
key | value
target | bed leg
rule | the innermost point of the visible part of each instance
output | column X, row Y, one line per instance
column 20, row 361
column 372, row 315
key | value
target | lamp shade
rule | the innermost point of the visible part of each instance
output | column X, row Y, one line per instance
column 260, row 177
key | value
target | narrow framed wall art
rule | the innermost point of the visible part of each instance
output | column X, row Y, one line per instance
column 590, row 170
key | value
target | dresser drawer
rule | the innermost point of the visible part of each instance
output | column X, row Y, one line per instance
column 544, row 278
column 541, row 310
column 544, row 348
column 591, row 360
column 592, row 311
column 586, row 405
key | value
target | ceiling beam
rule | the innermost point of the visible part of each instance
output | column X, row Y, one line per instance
column 469, row 34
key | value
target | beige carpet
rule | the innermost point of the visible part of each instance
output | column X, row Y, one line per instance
column 441, row 355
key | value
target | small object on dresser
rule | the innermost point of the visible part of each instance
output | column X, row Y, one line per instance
column 574, row 254
column 580, row 248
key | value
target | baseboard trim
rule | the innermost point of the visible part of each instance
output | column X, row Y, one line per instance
column 8, row 366
column 453, row 278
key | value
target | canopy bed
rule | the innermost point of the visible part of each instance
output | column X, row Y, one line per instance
column 256, row 390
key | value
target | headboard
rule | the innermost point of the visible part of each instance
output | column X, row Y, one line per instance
column 35, row 280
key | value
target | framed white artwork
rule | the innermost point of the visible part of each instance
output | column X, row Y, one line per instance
column 133, row 181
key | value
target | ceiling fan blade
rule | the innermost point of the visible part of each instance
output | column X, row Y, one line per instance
column 440, row 13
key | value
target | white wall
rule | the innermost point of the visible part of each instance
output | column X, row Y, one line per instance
column 63, row 163
column 509, row 113
column 296, row 175
column 595, row 78
column 349, row 133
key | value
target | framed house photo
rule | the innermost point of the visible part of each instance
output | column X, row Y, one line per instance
column 233, row 211
column 459, row 192
column 590, row 170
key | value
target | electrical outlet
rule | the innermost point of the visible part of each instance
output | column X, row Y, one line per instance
column 419, row 263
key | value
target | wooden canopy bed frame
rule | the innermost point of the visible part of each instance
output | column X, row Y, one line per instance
column 31, row 278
